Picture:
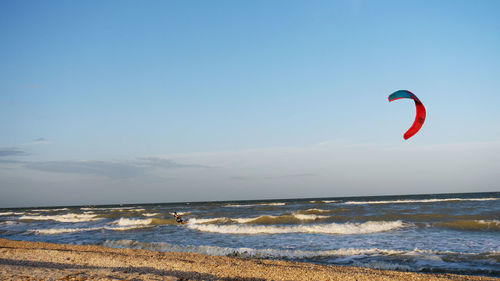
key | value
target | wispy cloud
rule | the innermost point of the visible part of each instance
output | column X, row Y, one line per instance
column 109, row 169
column 38, row 141
column 12, row 151
column 165, row 163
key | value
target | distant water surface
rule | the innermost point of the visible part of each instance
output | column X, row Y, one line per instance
column 456, row 233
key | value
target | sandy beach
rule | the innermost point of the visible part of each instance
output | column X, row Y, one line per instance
column 45, row 261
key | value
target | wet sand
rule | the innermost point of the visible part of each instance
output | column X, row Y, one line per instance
column 46, row 261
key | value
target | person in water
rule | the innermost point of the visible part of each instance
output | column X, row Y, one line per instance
column 178, row 218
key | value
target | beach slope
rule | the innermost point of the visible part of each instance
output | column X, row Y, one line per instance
column 45, row 261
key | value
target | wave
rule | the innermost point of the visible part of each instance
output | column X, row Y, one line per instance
column 323, row 201
column 71, row 217
column 118, row 225
column 181, row 213
column 253, row 205
column 150, row 214
column 314, row 211
column 418, row 201
column 107, row 209
column 242, row 252
column 63, row 230
column 50, row 210
column 293, row 218
column 238, row 205
column 333, row 228
column 132, row 222
column 482, row 225
column 343, row 255
column 12, row 213
column 272, row 204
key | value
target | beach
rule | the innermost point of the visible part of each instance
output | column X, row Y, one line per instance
column 21, row 260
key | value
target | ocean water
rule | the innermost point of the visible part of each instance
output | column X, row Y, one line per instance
column 456, row 233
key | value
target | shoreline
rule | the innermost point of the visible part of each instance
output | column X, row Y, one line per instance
column 23, row 260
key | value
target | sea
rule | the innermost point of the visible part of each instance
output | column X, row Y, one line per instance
column 439, row 233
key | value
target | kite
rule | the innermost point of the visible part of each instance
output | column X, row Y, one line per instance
column 419, row 119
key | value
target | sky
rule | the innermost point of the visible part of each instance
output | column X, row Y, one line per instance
column 113, row 102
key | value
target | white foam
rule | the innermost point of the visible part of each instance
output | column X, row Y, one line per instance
column 272, row 204
column 298, row 216
column 71, row 217
column 308, row 217
column 253, row 205
column 204, row 221
column 317, row 210
column 12, row 213
column 333, row 228
column 238, row 205
column 420, row 201
column 150, row 214
column 129, row 224
column 106, row 209
column 118, row 225
column 50, row 231
column 495, row 222
column 132, row 222
column 50, row 210
column 273, row 253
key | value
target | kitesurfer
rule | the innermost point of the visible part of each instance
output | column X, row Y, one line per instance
column 178, row 218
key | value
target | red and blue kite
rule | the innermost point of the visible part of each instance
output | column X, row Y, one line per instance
column 419, row 119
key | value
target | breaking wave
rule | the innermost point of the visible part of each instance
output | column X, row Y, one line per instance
column 314, row 211
column 333, row 228
column 417, row 259
column 71, row 217
column 12, row 213
column 120, row 209
column 50, row 210
column 150, row 214
column 323, row 201
column 419, row 201
column 63, row 230
column 117, row 225
column 252, row 205
column 481, row 225
column 265, row 220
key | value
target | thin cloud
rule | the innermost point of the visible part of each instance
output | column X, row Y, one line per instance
column 12, row 151
column 165, row 163
column 38, row 141
column 98, row 168
column 109, row 169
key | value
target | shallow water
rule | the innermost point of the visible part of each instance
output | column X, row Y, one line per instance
column 456, row 233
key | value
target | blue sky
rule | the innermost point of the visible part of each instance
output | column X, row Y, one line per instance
column 125, row 101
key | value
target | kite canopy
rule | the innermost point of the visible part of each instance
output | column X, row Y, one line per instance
column 419, row 119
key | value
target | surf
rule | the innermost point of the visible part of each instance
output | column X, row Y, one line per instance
column 332, row 228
